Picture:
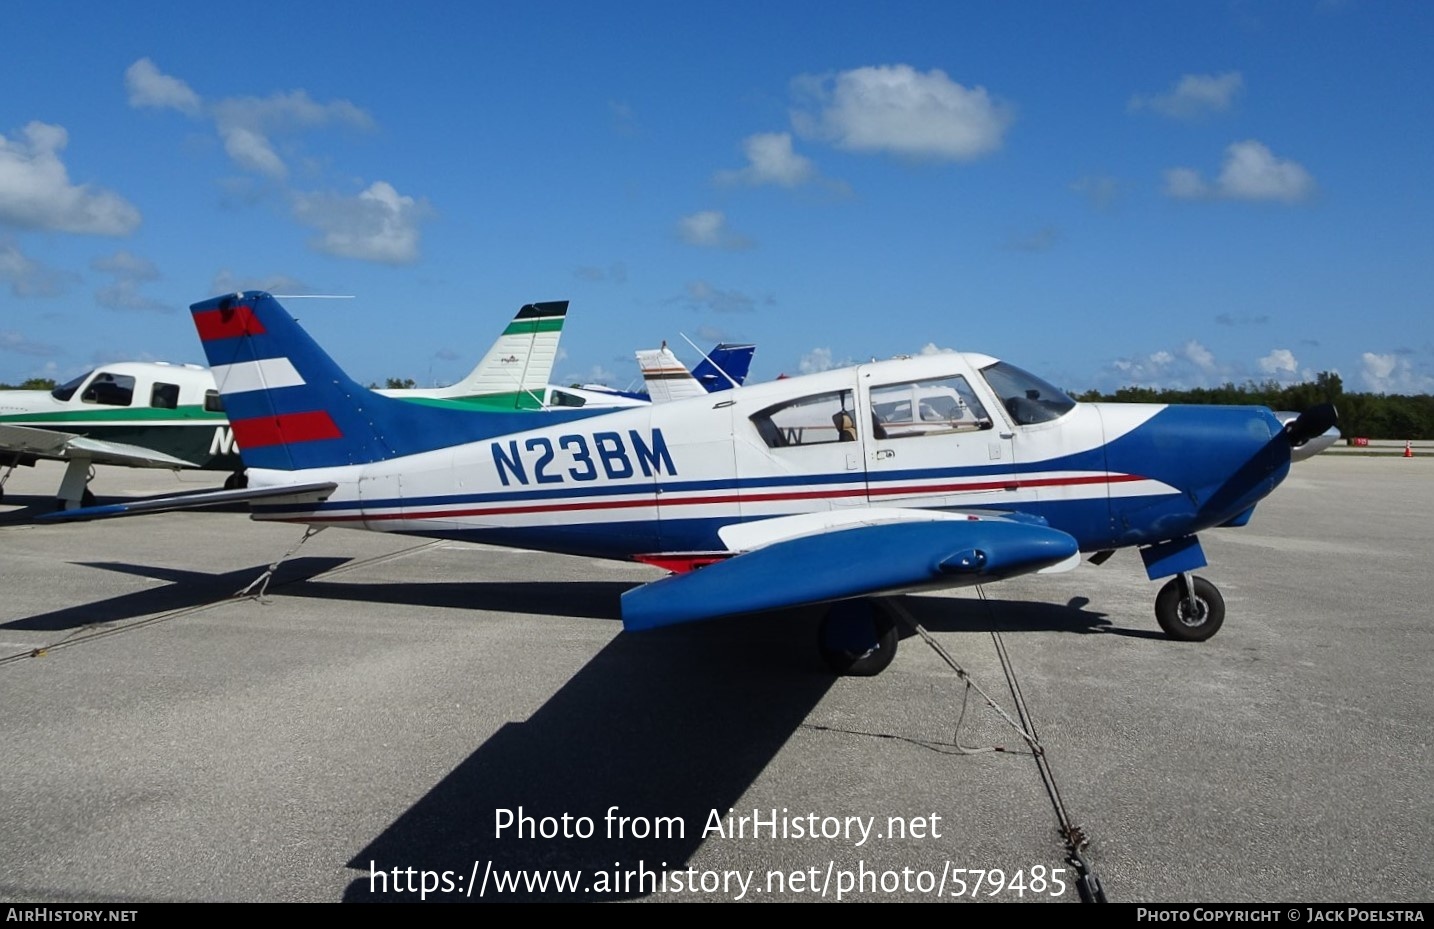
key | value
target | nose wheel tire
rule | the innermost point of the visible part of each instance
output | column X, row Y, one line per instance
column 1185, row 621
column 857, row 637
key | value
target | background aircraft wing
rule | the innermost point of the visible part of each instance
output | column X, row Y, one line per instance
column 856, row 561
column 63, row 446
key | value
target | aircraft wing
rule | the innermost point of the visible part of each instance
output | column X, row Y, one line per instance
column 63, row 446
column 288, row 493
column 891, row 555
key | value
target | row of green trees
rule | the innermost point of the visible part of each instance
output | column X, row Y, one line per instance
column 1373, row 416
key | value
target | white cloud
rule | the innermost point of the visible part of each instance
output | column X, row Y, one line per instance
column 245, row 124
column 894, row 108
column 379, row 224
column 708, row 229
column 36, row 193
column 1040, row 240
column 1392, row 374
column 1100, row 190
column 597, row 374
column 227, row 282
column 1198, row 355
column 1185, row 184
column 17, row 343
column 1191, row 365
column 1250, row 172
column 1193, row 96
column 1278, row 362
column 147, row 86
column 771, row 160
column 131, row 272
column 703, row 294
column 615, row 272
column 252, row 151
column 816, row 360
column 931, row 348
column 28, row 277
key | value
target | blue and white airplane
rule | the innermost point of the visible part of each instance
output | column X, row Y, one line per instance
column 844, row 487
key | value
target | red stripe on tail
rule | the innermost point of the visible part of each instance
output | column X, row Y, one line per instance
column 227, row 324
column 285, row 429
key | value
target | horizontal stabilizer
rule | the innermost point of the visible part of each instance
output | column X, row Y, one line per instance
column 291, row 493
column 855, row 562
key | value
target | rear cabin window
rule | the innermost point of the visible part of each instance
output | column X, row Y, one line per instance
column 213, row 403
column 110, row 390
column 164, row 396
column 820, row 419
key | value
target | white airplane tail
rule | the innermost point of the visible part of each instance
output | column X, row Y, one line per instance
column 667, row 378
column 516, row 370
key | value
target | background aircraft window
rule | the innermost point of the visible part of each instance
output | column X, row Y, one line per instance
column 213, row 403
column 931, row 407
column 164, row 396
column 1027, row 398
column 559, row 398
column 67, row 390
column 110, row 390
column 814, row 420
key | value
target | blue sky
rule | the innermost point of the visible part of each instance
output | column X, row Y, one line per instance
column 1172, row 194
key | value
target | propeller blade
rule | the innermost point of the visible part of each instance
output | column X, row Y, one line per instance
column 1315, row 421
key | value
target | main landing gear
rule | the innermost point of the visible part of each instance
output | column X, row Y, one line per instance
column 857, row 637
column 1189, row 608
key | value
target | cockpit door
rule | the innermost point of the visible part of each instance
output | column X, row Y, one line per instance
column 931, row 443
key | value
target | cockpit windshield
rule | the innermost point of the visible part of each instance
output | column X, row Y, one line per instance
column 67, row 390
column 1026, row 397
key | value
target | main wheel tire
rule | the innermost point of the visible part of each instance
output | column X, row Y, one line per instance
column 238, row 480
column 857, row 638
column 1182, row 623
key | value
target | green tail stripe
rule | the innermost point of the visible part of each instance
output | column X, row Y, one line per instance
column 529, row 326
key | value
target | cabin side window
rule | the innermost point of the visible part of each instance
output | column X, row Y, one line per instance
column 820, row 419
column 164, row 396
column 110, row 390
column 930, row 407
column 213, row 403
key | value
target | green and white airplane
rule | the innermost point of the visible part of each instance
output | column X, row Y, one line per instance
column 161, row 415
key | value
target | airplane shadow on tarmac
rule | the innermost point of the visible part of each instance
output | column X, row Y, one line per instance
column 662, row 727
column 186, row 589
column 665, row 727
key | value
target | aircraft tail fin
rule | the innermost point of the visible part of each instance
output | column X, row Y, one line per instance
column 293, row 408
column 520, row 363
column 725, row 366
column 667, row 378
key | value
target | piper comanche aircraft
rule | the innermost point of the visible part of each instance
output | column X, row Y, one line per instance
column 844, row 487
